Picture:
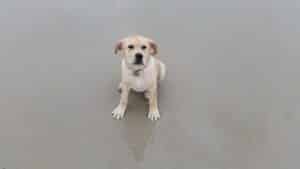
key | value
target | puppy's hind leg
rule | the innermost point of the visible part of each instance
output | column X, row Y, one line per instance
column 147, row 95
column 162, row 71
column 120, row 88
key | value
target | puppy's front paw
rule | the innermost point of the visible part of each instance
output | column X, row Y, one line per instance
column 153, row 115
column 118, row 113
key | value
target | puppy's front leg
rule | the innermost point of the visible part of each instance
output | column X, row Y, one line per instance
column 119, row 111
column 153, row 107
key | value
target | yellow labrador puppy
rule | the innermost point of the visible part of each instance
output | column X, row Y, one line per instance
column 141, row 72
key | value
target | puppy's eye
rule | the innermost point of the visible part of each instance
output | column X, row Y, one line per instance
column 144, row 47
column 130, row 46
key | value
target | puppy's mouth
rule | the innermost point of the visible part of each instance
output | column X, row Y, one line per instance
column 138, row 67
column 139, row 63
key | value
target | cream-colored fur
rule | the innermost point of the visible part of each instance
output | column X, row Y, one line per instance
column 140, row 78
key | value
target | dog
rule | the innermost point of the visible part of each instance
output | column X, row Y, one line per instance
column 141, row 72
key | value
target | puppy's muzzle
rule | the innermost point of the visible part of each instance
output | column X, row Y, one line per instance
column 138, row 59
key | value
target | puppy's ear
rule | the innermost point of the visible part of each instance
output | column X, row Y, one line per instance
column 153, row 48
column 118, row 47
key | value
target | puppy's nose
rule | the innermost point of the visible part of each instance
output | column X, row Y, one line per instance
column 138, row 58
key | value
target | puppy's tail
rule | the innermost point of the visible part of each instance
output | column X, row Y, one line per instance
column 162, row 71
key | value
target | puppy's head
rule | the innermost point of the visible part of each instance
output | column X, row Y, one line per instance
column 136, row 51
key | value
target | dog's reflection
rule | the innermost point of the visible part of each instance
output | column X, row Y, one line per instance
column 137, row 128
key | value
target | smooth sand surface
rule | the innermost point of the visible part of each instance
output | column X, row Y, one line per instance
column 231, row 98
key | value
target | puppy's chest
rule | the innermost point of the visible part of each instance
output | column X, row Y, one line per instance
column 140, row 82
